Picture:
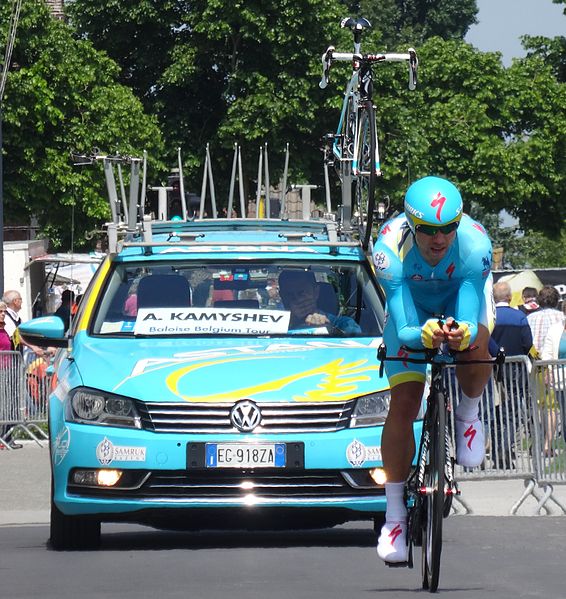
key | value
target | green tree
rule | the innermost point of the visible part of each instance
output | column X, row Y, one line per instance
column 63, row 96
column 498, row 133
column 551, row 50
column 222, row 72
column 401, row 22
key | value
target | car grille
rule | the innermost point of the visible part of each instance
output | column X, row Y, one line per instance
column 292, row 417
column 237, row 487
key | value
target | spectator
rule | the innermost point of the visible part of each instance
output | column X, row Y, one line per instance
column 529, row 304
column 541, row 322
column 13, row 301
column 512, row 330
column 513, row 334
column 299, row 292
column 5, row 381
column 554, row 348
column 76, row 304
column 64, row 311
column 548, row 315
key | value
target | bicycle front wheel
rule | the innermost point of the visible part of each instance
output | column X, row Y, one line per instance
column 365, row 169
column 435, row 497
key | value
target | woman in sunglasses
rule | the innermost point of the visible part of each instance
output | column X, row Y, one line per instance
column 431, row 260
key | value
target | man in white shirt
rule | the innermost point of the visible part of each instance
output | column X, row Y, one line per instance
column 13, row 300
column 548, row 315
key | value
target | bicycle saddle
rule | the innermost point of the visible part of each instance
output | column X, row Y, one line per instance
column 355, row 24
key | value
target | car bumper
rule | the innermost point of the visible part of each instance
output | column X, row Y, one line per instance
column 334, row 473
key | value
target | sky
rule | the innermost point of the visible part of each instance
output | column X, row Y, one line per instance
column 502, row 22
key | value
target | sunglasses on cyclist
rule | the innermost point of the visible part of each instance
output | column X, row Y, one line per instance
column 433, row 230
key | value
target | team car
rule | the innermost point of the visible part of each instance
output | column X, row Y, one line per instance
column 185, row 397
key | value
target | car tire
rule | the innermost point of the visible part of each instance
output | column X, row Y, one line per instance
column 73, row 532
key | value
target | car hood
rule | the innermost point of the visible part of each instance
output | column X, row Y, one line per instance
column 227, row 370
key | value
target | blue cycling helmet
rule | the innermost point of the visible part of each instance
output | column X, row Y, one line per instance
column 433, row 202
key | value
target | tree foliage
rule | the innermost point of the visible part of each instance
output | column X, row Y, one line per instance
column 401, row 22
column 63, row 96
column 247, row 71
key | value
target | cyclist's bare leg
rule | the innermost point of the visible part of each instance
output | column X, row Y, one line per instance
column 474, row 377
column 398, row 448
column 470, row 441
column 397, row 441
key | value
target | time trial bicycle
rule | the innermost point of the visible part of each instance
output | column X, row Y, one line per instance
column 431, row 486
column 355, row 144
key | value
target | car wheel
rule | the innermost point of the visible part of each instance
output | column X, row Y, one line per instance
column 73, row 532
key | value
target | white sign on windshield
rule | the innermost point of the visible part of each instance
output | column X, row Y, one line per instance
column 210, row 321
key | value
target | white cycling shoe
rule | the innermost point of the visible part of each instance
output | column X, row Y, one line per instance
column 470, row 442
column 392, row 543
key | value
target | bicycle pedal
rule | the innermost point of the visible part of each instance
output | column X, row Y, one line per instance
column 397, row 564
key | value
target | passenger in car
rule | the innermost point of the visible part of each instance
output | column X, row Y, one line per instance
column 299, row 292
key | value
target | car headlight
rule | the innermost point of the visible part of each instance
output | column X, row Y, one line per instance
column 370, row 409
column 89, row 406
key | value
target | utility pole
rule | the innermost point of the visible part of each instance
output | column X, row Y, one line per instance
column 1, row 208
column 14, row 17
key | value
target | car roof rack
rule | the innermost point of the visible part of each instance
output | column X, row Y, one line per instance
column 131, row 227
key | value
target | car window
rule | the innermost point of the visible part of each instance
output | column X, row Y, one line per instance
column 231, row 298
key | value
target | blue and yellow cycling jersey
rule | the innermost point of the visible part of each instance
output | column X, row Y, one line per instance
column 416, row 291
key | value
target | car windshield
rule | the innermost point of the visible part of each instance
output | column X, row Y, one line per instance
column 239, row 299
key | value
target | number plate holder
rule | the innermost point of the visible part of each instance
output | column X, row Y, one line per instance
column 205, row 456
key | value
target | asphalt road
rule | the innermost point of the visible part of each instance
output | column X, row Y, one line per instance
column 499, row 558
column 484, row 556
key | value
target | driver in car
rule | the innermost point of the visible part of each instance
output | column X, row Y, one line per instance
column 299, row 292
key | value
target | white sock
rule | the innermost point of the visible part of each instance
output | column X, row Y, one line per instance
column 396, row 508
column 468, row 408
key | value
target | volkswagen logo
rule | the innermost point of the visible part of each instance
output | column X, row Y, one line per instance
column 245, row 416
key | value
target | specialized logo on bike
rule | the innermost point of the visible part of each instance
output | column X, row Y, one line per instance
column 450, row 270
column 471, row 433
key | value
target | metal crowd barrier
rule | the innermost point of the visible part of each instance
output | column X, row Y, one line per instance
column 24, row 389
column 525, row 430
column 548, row 380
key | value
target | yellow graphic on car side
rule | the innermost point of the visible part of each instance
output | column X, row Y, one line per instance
column 334, row 381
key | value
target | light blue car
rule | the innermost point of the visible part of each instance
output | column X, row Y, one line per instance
column 191, row 391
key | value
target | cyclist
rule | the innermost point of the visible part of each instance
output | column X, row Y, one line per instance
column 431, row 260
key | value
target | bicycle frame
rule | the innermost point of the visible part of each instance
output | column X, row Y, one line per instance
column 432, row 482
column 345, row 133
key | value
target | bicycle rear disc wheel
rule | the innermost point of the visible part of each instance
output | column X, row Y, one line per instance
column 366, row 178
column 435, row 497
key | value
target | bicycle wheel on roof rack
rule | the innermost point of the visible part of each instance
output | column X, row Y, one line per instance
column 365, row 169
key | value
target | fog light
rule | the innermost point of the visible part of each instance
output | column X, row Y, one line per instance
column 378, row 475
column 108, row 478
column 87, row 478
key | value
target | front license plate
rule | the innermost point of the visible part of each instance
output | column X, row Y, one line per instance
column 245, row 455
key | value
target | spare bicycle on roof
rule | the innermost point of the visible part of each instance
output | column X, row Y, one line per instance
column 355, row 147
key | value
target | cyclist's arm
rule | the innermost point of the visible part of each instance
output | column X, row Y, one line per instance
column 400, row 303
column 471, row 292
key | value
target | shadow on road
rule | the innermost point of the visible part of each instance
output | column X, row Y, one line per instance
column 151, row 539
